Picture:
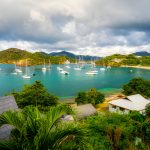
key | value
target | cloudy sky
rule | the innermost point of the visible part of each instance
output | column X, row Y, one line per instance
column 93, row 27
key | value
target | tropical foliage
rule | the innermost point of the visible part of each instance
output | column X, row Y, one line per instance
column 119, row 60
column 147, row 110
column 33, row 130
column 17, row 56
column 35, row 95
column 92, row 96
column 137, row 86
column 118, row 132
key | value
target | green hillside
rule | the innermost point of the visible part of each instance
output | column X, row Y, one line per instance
column 14, row 55
column 119, row 60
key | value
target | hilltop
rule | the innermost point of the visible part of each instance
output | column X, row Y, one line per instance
column 124, row 60
column 142, row 53
column 71, row 55
column 18, row 56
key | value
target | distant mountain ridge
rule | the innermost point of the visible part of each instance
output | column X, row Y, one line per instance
column 18, row 57
column 142, row 53
column 71, row 55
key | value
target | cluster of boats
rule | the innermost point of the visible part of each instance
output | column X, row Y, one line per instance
column 62, row 71
column 77, row 67
column 93, row 71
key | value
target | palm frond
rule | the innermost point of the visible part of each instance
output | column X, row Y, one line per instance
column 12, row 118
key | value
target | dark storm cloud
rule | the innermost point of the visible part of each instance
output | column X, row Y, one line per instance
column 86, row 26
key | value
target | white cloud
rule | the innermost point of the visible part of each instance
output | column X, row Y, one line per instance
column 95, row 27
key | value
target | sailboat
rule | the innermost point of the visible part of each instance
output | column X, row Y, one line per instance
column 44, row 68
column 64, row 72
column 77, row 68
column 49, row 67
column 94, row 71
column 17, row 70
column 59, row 68
column 26, row 76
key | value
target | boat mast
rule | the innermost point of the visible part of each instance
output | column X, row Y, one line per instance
column 26, row 67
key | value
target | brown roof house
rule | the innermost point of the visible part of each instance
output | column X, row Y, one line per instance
column 6, row 103
column 85, row 110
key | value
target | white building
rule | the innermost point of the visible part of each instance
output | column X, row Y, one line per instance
column 133, row 102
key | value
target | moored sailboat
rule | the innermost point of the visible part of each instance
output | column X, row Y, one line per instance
column 26, row 76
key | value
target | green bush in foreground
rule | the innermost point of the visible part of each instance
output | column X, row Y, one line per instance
column 33, row 130
column 35, row 95
column 92, row 96
column 118, row 132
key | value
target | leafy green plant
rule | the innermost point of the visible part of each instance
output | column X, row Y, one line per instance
column 34, row 130
column 35, row 95
column 92, row 96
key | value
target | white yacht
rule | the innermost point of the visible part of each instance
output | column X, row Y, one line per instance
column 49, row 67
column 64, row 72
column 68, row 67
column 26, row 76
column 17, row 70
column 44, row 68
column 91, row 73
column 102, row 69
column 96, row 71
column 77, row 68
column 108, row 67
column 60, row 69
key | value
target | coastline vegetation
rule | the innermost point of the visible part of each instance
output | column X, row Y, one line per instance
column 35, row 95
column 34, row 128
column 18, row 57
column 124, row 60
column 137, row 86
column 92, row 96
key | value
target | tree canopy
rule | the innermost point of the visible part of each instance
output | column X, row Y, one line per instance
column 35, row 95
column 92, row 96
column 137, row 86
column 129, row 60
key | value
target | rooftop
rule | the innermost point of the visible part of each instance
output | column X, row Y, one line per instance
column 133, row 102
column 85, row 110
column 6, row 103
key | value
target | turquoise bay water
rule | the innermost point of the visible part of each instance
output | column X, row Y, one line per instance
column 67, row 86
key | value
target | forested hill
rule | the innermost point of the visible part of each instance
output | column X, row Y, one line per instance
column 14, row 55
column 119, row 60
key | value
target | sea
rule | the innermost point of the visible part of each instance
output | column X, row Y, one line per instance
column 107, row 80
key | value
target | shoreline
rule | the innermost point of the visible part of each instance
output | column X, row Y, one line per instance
column 111, row 95
column 140, row 67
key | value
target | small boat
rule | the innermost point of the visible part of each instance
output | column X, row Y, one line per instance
column 60, row 69
column 77, row 68
column 49, row 67
column 14, row 73
column 26, row 76
column 91, row 73
column 64, row 72
column 96, row 71
column 102, row 69
column 108, row 67
column 68, row 67
column 44, row 68
column 18, row 70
